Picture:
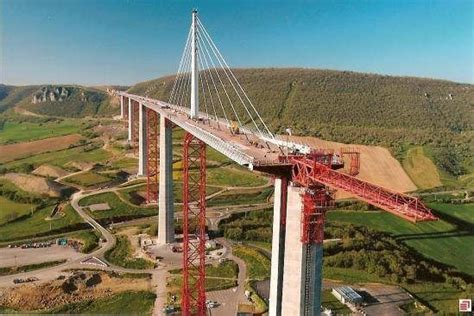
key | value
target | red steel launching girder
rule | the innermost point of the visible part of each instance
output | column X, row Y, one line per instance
column 152, row 154
column 194, row 224
column 307, row 172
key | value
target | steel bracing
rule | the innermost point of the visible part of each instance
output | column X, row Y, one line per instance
column 194, row 226
column 354, row 156
column 152, row 155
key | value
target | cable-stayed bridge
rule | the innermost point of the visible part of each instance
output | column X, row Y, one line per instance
column 210, row 104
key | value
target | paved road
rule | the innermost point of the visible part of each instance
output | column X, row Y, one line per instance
column 230, row 299
column 54, row 272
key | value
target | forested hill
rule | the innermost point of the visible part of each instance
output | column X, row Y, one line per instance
column 57, row 100
column 354, row 107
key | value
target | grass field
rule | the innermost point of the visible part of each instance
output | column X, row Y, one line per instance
column 117, row 207
column 421, row 169
column 234, row 177
column 244, row 197
column 37, row 225
column 30, row 267
column 11, row 210
column 28, row 131
column 227, row 269
column 329, row 301
column 89, row 238
column 88, row 179
column 447, row 240
column 126, row 303
column 121, row 255
column 258, row 265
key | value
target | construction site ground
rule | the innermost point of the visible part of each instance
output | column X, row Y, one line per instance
column 11, row 257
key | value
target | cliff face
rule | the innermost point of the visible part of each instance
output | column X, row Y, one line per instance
column 51, row 93
column 72, row 101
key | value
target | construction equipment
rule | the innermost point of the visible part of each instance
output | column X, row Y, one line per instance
column 234, row 128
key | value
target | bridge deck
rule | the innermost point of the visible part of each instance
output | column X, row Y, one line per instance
column 245, row 149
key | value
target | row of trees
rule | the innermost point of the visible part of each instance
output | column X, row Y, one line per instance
column 251, row 226
column 380, row 254
column 361, row 249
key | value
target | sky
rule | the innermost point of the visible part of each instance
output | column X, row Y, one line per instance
column 93, row 42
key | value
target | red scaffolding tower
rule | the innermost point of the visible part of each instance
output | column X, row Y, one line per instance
column 194, row 226
column 135, row 124
column 152, row 154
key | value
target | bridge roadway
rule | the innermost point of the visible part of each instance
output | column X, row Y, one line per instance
column 245, row 149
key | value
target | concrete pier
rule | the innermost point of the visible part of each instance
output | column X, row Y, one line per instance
column 278, row 246
column 302, row 272
column 165, row 204
column 291, row 297
column 130, row 127
column 142, row 141
column 121, row 107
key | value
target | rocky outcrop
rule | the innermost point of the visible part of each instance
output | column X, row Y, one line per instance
column 51, row 93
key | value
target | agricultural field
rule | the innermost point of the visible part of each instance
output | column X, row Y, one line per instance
column 447, row 241
column 18, row 151
column 15, row 132
column 63, row 157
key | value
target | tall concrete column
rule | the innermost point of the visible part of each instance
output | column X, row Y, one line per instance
column 278, row 245
column 302, row 275
column 142, row 141
column 121, row 107
column 165, row 204
column 293, row 255
column 194, row 69
column 130, row 127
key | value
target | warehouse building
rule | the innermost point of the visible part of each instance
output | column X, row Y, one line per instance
column 347, row 295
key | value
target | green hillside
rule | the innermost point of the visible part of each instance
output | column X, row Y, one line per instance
column 396, row 112
column 11, row 96
column 57, row 100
